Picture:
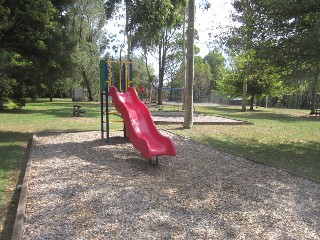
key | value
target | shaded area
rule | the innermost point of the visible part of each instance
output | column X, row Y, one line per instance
column 298, row 157
column 286, row 140
column 11, row 146
column 13, row 158
column 57, row 109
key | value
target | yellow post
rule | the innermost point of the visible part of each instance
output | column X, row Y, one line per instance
column 110, row 75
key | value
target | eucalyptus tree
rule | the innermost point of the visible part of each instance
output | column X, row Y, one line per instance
column 141, row 73
column 188, row 113
column 202, row 79
column 85, row 23
column 262, row 79
column 156, row 25
column 152, row 25
column 216, row 62
column 284, row 32
column 112, row 7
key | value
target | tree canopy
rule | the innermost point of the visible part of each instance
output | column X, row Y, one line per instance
column 284, row 33
column 34, row 49
column 47, row 46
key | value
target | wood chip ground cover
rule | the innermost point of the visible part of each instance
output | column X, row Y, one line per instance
column 81, row 188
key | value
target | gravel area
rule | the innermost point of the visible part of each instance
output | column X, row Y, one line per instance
column 81, row 188
column 177, row 117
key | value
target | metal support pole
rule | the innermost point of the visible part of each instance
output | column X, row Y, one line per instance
column 103, row 77
column 107, row 103
column 123, row 82
column 131, row 74
column 102, row 113
column 107, row 115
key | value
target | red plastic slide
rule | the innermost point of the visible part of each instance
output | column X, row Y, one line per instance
column 140, row 127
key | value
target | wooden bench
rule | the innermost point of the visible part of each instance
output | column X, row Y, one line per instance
column 77, row 112
column 317, row 112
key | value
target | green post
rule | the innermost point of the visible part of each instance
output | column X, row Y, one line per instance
column 103, row 78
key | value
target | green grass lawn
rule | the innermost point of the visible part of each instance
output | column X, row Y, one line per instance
column 16, row 129
column 279, row 137
column 285, row 138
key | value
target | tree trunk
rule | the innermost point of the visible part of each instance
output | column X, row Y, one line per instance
column 162, row 56
column 251, row 101
column 188, row 113
column 1, row 102
column 244, row 95
column 149, row 92
column 159, row 92
column 128, row 34
column 87, row 85
column 314, row 85
column 184, row 75
column 51, row 91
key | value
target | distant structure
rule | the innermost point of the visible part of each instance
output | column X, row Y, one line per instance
column 77, row 95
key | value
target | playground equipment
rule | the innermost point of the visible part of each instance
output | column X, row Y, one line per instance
column 108, row 72
column 138, row 123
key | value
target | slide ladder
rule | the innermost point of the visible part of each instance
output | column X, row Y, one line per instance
column 109, row 116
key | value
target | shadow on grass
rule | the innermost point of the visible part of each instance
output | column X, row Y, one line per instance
column 12, row 146
column 14, row 153
column 300, row 158
column 60, row 110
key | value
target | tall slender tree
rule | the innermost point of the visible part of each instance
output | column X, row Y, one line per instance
column 188, row 114
column 86, row 20
column 152, row 25
column 152, row 29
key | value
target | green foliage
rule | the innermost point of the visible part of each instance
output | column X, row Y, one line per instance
column 202, row 84
column 147, row 19
column 155, row 26
column 34, row 48
column 141, row 73
column 294, row 23
column 284, row 33
column 202, row 79
column 262, row 78
column 217, row 64
column 48, row 46
column 111, row 6
column 85, row 26
column 151, row 17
